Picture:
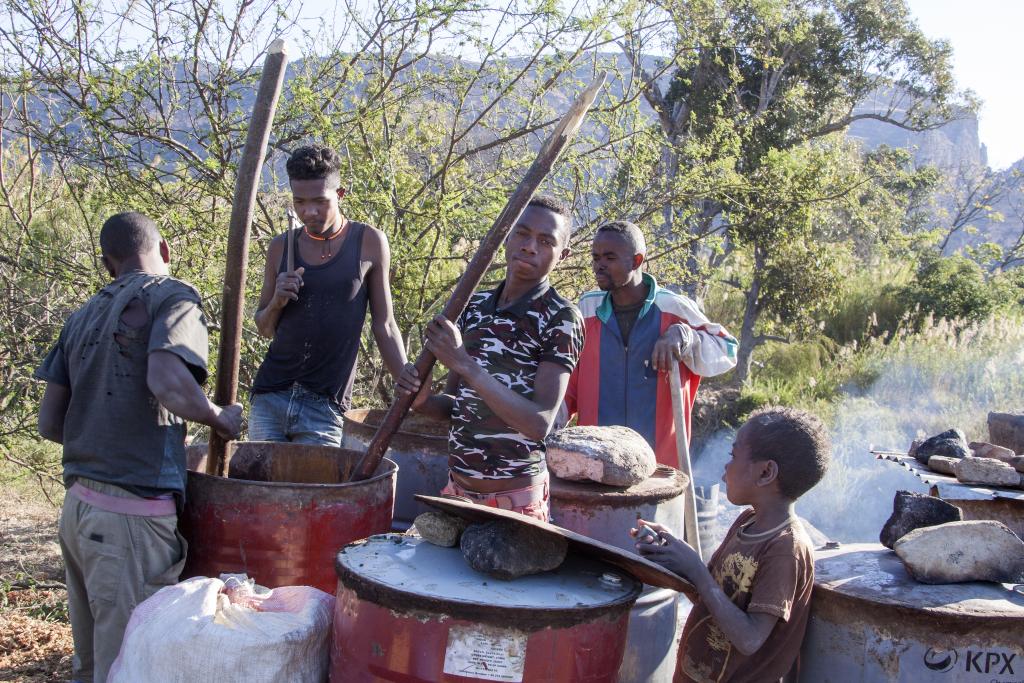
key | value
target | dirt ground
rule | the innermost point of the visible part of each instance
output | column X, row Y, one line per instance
column 35, row 635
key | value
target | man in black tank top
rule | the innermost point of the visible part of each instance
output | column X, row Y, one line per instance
column 315, row 314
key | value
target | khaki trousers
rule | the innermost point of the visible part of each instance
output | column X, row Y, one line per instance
column 113, row 562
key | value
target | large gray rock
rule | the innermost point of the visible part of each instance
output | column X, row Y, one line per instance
column 951, row 443
column 1007, row 429
column 439, row 528
column 963, row 551
column 987, row 471
column 507, row 550
column 940, row 463
column 914, row 510
column 982, row 449
column 1016, row 462
column 616, row 456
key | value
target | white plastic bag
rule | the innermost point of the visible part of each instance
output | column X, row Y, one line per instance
column 196, row 631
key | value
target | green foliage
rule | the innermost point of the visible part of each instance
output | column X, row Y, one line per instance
column 871, row 304
column 952, row 288
column 741, row 177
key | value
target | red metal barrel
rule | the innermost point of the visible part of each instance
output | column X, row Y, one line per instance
column 606, row 514
column 419, row 448
column 282, row 516
column 413, row 612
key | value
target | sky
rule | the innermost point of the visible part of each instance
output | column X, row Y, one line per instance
column 987, row 38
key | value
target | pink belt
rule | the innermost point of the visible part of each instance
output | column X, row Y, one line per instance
column 139, row 507
column 516, row 498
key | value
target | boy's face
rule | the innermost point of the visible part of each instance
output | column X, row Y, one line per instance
column 743, row 475
column 316, row 203
column 537, row 243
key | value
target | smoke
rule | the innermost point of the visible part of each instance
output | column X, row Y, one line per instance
column 924, row 385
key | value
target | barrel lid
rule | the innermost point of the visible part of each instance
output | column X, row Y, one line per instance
column 871, row 572
column 665, row 484
column 408, row 573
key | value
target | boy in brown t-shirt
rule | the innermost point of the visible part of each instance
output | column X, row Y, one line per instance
column 754, row 596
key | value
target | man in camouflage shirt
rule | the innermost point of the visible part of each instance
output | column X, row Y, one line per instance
column 509, row 362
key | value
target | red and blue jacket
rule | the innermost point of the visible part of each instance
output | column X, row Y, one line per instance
column 615, row 385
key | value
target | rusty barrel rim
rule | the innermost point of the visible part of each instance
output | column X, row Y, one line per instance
column 667, row 483
column 362, row 424
column 259, row 463
column 525, row 618
column 387, row 469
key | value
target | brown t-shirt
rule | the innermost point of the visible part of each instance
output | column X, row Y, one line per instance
column 771, row 573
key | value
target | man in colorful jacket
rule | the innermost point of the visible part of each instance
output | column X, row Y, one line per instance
column 637, row 331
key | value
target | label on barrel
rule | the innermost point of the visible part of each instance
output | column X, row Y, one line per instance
column 988, row 664
column 488, row 654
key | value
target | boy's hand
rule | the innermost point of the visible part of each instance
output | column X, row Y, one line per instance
column 408, row 382
column 444, row 340
column 671, row 553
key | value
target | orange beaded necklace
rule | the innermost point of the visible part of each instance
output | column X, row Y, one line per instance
column 325, row 249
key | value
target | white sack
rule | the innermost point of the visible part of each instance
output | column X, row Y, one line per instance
column 192, row 633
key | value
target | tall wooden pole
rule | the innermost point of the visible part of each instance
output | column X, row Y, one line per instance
column 690, row 530
column 563, row 133
column 242, row 207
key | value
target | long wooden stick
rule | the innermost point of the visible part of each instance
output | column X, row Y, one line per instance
column 546, row 158
column 246, row 184
column 690, row 529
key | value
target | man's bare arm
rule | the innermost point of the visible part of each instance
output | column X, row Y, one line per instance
column 533, row 419
column 385, row 328
column 52, row 411
column 176, row 389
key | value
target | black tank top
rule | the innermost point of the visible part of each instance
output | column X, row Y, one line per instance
column 317, row 337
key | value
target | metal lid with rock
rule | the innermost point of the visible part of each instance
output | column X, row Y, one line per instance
column 409, row 574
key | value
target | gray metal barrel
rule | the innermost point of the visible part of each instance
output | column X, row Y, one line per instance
column 419, row 448
column 606, row 514
column 871, row 622
column 707, row 519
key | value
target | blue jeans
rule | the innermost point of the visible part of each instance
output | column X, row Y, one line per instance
column 297, row 415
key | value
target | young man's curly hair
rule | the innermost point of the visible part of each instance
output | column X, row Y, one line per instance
column 557, row 207
column 315, row 162
column 798, row 443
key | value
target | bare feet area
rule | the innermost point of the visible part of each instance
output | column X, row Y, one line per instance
column 35, row 635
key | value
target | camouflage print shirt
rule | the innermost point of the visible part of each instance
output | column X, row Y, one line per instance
column 510, row 345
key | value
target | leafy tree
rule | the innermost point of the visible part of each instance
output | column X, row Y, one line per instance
column 953, row 288
column 752, row 79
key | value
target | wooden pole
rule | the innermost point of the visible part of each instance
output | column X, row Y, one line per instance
column 246, row 184
column 690, row 530
column 563, row 133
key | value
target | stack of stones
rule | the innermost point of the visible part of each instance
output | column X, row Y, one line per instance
column 977, row 462
column 502, row 548
column 937, row 546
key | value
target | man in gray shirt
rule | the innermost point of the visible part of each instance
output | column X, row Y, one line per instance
column 121, row 380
